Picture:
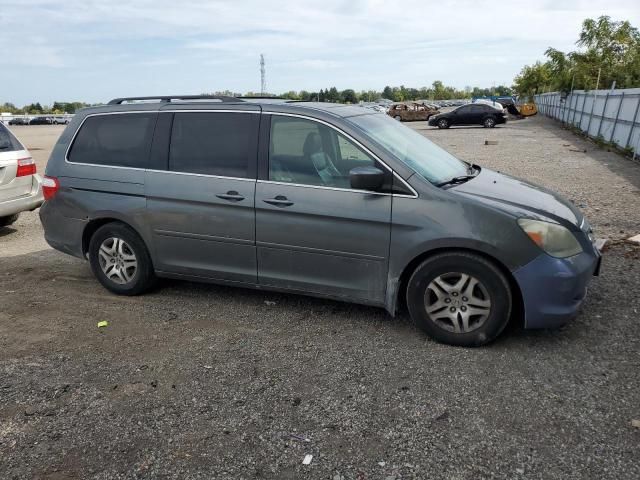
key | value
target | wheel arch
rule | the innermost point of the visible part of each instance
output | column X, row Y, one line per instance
column 397, row 299
column 94, row 224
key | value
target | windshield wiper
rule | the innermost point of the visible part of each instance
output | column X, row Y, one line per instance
column 456, row 180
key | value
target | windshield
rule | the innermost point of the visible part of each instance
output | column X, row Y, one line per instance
column 414, row 150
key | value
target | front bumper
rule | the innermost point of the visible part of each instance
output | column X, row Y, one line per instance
column 31, row 201
column 553, row 289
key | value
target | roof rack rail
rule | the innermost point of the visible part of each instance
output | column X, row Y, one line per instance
column 169, row 98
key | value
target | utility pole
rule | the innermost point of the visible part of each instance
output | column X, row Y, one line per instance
column 263, row 76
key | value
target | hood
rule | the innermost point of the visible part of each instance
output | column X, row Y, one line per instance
column 519, row 197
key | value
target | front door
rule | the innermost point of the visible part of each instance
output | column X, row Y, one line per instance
column 201, row 206
column 314, row 233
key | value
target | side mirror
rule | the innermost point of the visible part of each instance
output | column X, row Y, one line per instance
column 366, row 178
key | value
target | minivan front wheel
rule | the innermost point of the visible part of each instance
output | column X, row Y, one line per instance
column 120, row 260
column 459, row 298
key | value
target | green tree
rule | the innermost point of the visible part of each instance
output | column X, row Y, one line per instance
column 348, row 96
column 532, row 79
column 332, row 95
column 610, row 52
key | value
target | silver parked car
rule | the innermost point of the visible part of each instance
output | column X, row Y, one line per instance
column 322, row 199
column 20, row 185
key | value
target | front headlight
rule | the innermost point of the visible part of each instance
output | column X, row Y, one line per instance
column 554, row 239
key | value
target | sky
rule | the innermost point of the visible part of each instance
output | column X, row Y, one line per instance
column 92, row 51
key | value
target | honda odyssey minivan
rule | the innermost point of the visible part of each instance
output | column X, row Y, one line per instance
column 321, row 199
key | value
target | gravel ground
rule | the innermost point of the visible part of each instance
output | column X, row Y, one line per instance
column 201, row 381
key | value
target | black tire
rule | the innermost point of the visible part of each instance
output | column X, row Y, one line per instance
column 489, row 122
column 142, row 279
column 489, row 276
column 398, row 118
column 9, row 220
column 443, row 123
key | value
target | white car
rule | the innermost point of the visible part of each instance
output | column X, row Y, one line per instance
column 20, row 185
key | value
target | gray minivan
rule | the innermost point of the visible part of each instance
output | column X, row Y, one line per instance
column 322, row 199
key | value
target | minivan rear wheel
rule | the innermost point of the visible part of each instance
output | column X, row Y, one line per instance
column 459, row 298
column 120, row 260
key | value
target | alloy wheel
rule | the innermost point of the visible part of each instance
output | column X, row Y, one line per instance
column 457, row 302
column 117, row 260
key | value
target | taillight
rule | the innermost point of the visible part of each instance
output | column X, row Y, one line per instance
column 50, row 187
column 26, row 167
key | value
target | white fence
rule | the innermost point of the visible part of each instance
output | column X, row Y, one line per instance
column 610, row 115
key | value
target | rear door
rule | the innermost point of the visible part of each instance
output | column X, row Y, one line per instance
column 12, row 153
column 200, row 194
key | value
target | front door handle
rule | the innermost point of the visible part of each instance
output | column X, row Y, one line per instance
column 279, row 201
column 231, row 195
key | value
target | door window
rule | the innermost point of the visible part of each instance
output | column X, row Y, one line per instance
column 209, row 143
column 310, row 153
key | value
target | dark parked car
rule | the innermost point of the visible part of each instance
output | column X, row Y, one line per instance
column 41, row 121
column 19, row 121
column 471, row 114
column 329, row 200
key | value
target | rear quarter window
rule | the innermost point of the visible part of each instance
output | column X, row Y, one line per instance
column 116, row 140
column 8, row 143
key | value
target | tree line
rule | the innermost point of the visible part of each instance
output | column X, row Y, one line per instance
column 437, row 91
column 58, row 108
column 610, row 55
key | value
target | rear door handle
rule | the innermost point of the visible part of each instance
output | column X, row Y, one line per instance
column 231, row 195
column 279, row 201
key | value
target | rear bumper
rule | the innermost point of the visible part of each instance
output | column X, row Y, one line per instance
column 31, row 201
column 60, row 232
column 553, row 289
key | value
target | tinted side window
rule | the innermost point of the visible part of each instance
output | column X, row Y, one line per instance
column 8, row 143
column 118, row 140
column 223, row 144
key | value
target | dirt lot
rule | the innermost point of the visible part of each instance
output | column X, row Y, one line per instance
column 200, row 381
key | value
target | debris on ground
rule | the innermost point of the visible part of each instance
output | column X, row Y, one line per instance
column 634, row 239
column 635, row 423
column 103, row 324
column 269, row 302
column 491, row 142
column 300, row 438
column 307, row 459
